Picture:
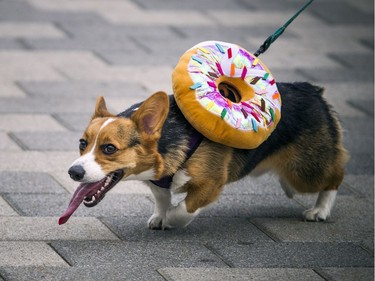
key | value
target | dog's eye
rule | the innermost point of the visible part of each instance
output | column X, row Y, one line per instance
column 82, row 144
column 108, row 149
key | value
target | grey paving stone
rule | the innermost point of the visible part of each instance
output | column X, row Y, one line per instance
column 267, row 184
column 137, row 254
column 22, row 11
column 347, row 274
column 115, row 272
column 338, row 12
column 134, row 34
column 330, row 231
column 191, row 5
column 28, row 122
column 52, row 205
column 352, row 220
column 287, row 75
column 36, row 161
column 94, row 44
column 323, row 75
column 200, row 230
column 359, row 141
column 75, row 91
column 156, row 53
column 296, row 255
column 43, row 105
column 5, row 209
column 234, row 34
column 11, row 44
column 368, row 42
column 366, row 106
column 360, row 61
column 360, row 163
column 238, row 274
column 44, row 141
column 364, row 184
column 6, row 143
column 74, row 121
column 22, row 253
column 282, row 5
column 29, row 182
column 254, row 206
column 47, row 229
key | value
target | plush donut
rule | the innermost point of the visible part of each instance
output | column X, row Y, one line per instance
column 227, row 94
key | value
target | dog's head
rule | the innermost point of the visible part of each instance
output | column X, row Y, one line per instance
column 114, row 148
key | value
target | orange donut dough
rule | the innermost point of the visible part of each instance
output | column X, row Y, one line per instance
column 227, row 94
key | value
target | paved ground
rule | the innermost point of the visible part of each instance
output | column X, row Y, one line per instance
column 56, row 57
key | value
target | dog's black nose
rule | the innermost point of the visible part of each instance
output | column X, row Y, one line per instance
column 76, row 172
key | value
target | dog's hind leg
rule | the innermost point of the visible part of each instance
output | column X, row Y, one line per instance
column 323, row 206
column 326, row 198
column 162, row 204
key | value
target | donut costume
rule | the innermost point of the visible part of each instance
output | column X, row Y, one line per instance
column 227, row 94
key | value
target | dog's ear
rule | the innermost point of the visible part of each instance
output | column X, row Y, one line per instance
column 101, row 109
column 151, row 115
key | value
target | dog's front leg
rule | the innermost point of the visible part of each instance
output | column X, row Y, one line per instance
column 197, row 198
column 162, row 204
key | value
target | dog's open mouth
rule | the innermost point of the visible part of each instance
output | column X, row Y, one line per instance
column 91, row 193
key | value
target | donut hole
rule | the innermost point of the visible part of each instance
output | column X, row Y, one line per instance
column 234, row 89
column 229, row 92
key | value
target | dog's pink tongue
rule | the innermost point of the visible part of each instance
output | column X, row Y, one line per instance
column 82, row 190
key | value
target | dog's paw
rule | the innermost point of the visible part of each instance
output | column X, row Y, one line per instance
column 178, row 216
column 316, row 214
column 155, row 222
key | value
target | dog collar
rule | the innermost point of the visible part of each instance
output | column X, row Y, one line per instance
column 195, row 140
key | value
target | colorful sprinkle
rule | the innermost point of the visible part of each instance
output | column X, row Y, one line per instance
column 255, row 126
column 238, row 123
column 229, row 53
column 272, row 82
column 232, row 70
column 223, row 113
column 211, row 84
column 272, row 114
column 195, row 86
column 275, row 96
column 203, row 50
column 255, row 80
column 246, row 104
column 220, row 48
column 197, row 59
column 212, row 74
column 255, row 62
column 210, row 105
column 255, row 116
column 219, row 68
column 266, row 76
column 229, row 104
column 263, row 104
column 244, row 72
column 244, row 113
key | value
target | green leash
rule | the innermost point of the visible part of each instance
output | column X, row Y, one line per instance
column 272, row 38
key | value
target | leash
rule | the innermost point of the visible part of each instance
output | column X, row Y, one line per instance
column 272, row 38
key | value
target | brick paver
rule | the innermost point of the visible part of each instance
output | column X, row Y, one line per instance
column 56, row 57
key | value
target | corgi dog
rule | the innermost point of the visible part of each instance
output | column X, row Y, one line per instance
column 153, row 142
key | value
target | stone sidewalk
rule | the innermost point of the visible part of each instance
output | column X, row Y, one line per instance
column 56, row 57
